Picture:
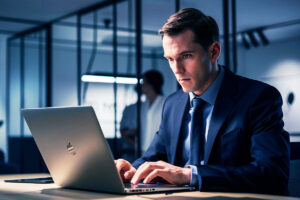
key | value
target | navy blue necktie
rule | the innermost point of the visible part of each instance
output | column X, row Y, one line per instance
column 197, row 135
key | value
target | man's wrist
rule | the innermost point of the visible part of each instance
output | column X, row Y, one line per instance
column 187, row 174
column 193, row 175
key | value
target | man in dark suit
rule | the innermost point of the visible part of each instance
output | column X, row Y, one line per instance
column 221, row 132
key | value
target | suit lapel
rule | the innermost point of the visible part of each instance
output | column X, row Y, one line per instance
column 223, row 105
column 178, row 113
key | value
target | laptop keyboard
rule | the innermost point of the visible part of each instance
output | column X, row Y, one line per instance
column 141, row 185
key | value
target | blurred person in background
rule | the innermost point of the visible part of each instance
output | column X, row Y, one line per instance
column 151, row 110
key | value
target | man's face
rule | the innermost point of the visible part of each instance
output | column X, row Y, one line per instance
column 188, row 60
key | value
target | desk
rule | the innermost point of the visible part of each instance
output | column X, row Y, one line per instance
column 25, row 191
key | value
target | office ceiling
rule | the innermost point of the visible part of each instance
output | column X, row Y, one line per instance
column 20, row 15
column 34, row 12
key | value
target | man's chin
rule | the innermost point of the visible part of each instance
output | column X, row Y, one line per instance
column 186, row 89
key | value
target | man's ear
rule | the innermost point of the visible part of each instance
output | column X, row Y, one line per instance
column 214, row 51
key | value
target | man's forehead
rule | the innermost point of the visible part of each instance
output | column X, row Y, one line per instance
column 180, row 48
column 183, row 39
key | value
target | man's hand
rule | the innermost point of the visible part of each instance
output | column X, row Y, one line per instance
column 160, row 169
column 125, row 169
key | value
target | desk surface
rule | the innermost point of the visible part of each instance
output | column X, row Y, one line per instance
column 22, row 191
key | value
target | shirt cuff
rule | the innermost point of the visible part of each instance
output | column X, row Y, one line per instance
column 194, row 176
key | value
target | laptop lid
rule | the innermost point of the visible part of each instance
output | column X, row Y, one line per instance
column 75, row 151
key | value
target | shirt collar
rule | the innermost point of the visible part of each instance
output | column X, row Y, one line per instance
column 210, row 94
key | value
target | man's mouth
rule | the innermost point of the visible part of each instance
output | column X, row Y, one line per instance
column 182, row 80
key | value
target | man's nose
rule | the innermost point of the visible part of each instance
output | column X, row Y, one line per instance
column 178, row 67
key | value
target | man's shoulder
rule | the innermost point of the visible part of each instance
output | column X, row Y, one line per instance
column 254, row 87
column 257, row 83
column 232, row 81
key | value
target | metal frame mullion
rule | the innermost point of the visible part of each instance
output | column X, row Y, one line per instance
column 8, row 53
column 115, row 65
column 22, row 101
column 226, row 32
column 138, row 18
column 79, row 59
column 234, row 45
column 40, row 68
column 177, row 5
column 49, row 65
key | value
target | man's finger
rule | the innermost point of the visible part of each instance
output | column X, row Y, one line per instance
column 122, row 165
column 144, row 170
column 129, row 174
column 140, row 173
column 162, row 173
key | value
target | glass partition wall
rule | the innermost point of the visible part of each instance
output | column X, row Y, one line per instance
column 95, row 56
column 52, row 65
column 26, row 89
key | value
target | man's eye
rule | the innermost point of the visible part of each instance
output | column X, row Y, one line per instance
column 170, row 59
column 187, row 56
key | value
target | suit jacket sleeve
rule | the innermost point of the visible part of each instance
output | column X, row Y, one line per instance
column 268, row 169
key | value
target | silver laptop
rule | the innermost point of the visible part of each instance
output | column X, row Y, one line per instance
column 76, row 153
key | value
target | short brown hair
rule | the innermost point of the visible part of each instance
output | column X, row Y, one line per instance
column 204, row 27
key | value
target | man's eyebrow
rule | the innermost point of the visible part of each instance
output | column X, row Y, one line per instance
column 185, row 52
column 181, row 53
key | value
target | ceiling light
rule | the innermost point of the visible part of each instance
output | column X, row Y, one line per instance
column 262, row 37
column 245, row 42
column 108, row 79
column 252, row 39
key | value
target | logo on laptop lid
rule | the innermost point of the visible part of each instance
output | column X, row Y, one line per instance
column 71, row 149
